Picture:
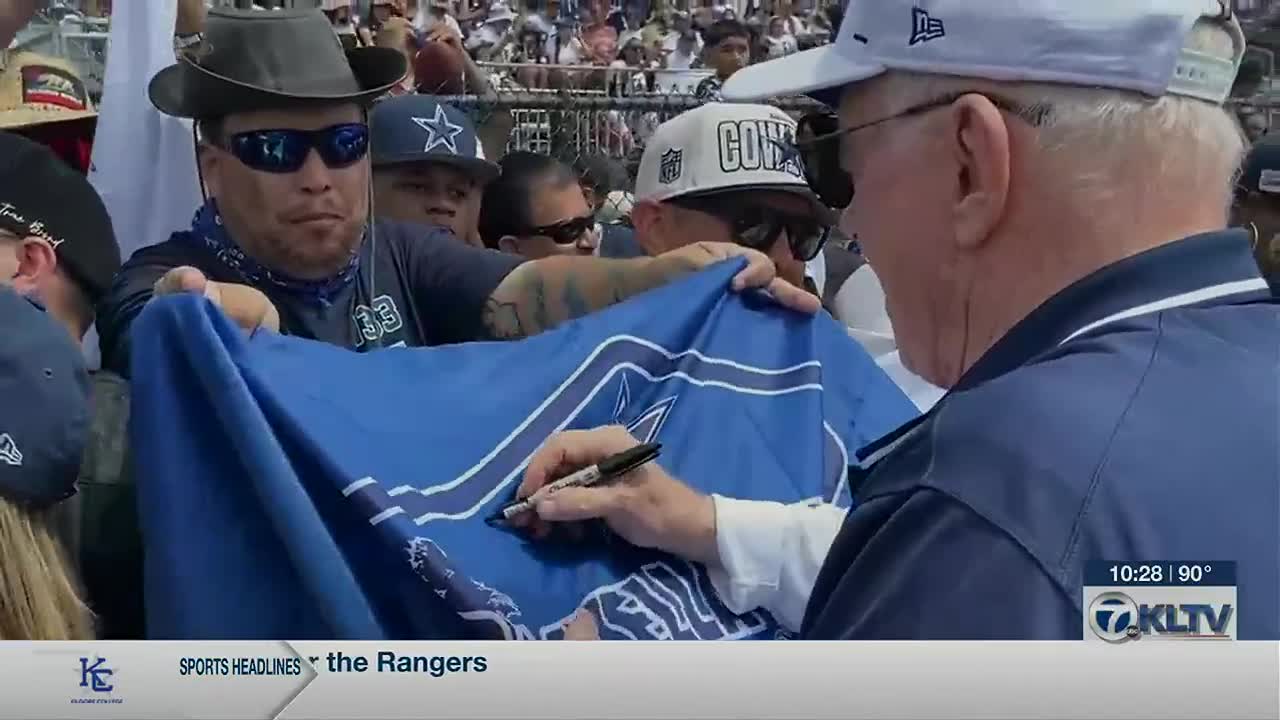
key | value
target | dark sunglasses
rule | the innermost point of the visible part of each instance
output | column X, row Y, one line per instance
column 565, row 232
column 286, row 151
column 821, row 148
column 820, row 154
column 758, row 227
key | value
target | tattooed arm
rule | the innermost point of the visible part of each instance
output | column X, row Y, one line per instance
column 540, row 295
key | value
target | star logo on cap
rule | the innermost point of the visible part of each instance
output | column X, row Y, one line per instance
column 440, row 131
column 788, row 154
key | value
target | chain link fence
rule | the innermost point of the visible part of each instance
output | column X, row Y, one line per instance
column 596, row 119
column 78, row 38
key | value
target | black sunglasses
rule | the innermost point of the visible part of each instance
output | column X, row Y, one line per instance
column 821, row 149
column 565, row 232
column 758, row 226
column 286, row 151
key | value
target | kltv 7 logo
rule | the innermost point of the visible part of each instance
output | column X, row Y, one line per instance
column 1115, row 617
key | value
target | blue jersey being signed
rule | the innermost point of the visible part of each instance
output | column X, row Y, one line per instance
column 294, row 489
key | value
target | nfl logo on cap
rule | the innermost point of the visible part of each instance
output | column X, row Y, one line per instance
column 669, row 166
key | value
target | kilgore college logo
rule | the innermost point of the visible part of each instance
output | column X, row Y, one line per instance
column 96, row 683
column 670, row 166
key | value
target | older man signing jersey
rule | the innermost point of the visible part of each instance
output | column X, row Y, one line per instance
column 1111, row 352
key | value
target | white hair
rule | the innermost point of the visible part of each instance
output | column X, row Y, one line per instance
column 1095, row 136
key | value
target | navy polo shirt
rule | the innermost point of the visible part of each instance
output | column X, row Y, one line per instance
column 1134, row 416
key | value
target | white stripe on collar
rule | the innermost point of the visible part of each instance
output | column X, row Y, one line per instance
column 1194, row 297
column 879, row 455
column 1189, row 298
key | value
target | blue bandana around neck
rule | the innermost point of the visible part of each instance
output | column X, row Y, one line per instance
column 207, row 228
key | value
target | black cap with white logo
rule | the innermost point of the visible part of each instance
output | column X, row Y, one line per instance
column 41, row 196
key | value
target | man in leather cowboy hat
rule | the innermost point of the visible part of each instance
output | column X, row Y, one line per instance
column 285, row 240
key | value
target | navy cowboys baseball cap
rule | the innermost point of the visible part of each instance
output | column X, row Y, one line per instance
column 1128, row 45
column 44, row 405
column 418, row 128
column 1261, row 171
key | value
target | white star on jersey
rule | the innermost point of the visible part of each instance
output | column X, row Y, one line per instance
column 440, row 131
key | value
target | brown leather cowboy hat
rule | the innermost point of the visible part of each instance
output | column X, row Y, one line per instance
column 271, row 60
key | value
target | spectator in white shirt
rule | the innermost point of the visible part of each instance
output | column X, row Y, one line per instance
column 682, row 29
column 779, row 41
column 565, row 47
column 685, row 54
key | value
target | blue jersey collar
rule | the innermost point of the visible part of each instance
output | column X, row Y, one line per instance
column 1208, row 269
column 1212, row 268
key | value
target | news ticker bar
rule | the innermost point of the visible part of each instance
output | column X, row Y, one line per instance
column 600, row 680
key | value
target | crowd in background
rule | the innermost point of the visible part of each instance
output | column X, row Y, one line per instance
column 638, row 34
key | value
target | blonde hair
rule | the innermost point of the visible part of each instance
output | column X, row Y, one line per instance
column 1094, row 135
column 39, row 599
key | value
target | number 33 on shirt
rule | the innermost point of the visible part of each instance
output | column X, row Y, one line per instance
column 376, row 320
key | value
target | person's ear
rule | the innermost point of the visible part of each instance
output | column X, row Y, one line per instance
column 650, row 220
column 509, row 244
column 36, row 261
column 979, row 142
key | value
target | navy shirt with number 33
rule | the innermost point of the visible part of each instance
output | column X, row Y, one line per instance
column 416, row 285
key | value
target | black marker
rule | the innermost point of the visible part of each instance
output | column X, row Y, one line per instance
column 607, row 469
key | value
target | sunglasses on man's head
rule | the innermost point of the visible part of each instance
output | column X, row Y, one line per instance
column 286, row 151
column 758, row 226
column 565, row 232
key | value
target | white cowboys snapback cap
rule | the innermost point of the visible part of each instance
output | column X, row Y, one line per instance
column 1134, row 45
column 721, row 147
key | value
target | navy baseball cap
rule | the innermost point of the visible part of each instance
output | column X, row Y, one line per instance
column 1261, row 171
column 44, row 405
column 418, row 128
